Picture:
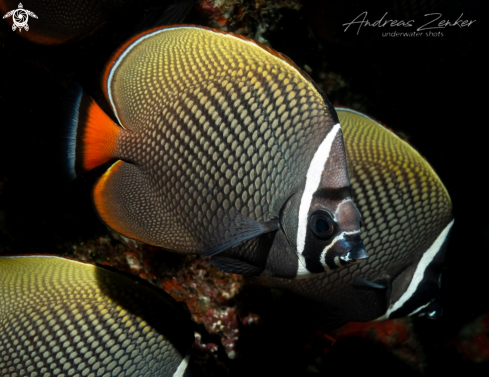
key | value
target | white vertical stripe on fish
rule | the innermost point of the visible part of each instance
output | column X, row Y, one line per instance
column 419, row 309
column 419, row 273
column 182, row 367
column 313, row 179
column 336, row 239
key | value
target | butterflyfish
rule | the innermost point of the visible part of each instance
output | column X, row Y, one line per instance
column 63, row 317
column 223, row 148
column 53, row 22
column 407, row 219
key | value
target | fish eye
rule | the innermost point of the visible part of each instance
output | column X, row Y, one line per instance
column 321, row 224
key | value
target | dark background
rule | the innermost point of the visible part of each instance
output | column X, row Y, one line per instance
column 432, row 90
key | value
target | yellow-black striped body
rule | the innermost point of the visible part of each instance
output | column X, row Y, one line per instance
column 61, row 317
column 407, row 217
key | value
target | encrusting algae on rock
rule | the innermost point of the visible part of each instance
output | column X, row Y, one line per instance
column 209, row 293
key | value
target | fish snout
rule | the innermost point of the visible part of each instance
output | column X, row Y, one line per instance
column 356, row 255
column 347, row 249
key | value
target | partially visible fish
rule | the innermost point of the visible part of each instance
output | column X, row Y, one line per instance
column 225, row 149
column 61, row 21
column 62, row 317
column 407, row 219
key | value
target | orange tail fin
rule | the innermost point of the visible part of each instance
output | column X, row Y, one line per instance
column 90, row 136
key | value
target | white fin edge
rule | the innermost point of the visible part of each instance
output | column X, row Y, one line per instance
column 165, row 29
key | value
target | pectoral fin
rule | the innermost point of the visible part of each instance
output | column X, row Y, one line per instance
column 235, row 266
column 230, row 229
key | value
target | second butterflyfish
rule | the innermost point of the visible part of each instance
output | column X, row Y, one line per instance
column 224, row 148
column 407, row 219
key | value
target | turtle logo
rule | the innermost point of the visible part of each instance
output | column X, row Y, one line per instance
column 20, row 17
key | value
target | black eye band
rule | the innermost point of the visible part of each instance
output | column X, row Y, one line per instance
column 322, row 224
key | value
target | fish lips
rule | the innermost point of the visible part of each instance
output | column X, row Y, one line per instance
column 347, row 250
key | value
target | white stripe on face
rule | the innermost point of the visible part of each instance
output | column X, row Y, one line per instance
column 182, row 367
column 339, row 205
column 419, row 273
column 313, row 179
column 336, row 239
column 419, row 309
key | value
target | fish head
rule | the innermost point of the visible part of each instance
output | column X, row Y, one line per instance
column 407, row 218
column 321, row 223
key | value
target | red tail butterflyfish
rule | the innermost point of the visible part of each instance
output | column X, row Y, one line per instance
column 224, row 148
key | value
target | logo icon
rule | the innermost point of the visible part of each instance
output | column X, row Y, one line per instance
column 20, row 17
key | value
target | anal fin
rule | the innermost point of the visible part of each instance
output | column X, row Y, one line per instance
column 132, row 203
column 126, row 201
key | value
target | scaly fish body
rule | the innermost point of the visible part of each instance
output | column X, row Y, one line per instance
column 407, row 218
column 227, row 150
column 64, row 317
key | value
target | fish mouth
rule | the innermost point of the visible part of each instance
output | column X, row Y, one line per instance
column 356, row 255
column 346, row 251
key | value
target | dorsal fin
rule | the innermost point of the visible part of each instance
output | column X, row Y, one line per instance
column 135, row 39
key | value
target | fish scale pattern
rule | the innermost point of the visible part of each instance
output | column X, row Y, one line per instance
column 404, row 207
column 218, row 127
column 403, row 204
column 64, row 318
